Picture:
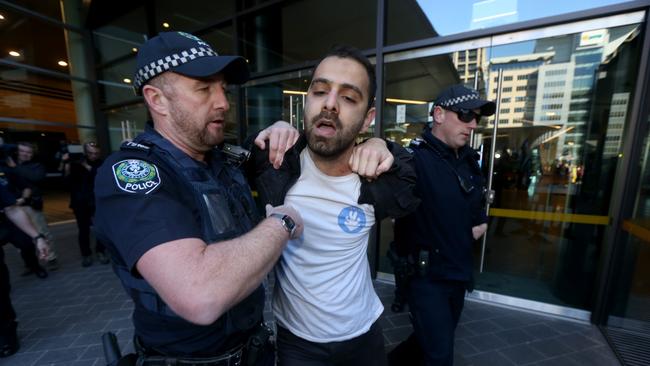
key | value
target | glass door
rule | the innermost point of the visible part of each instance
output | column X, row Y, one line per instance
column 563, row 106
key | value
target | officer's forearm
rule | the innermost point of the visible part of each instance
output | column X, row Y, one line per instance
column 201, row 282
column 19, row 218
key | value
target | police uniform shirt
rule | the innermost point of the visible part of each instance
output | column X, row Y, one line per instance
column 140, row 204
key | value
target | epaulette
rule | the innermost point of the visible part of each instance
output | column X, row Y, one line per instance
column 130, row 145
column 415, row 143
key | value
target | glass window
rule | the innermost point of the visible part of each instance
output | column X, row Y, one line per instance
column 281, row 98
column 192, row 15
column 31, row 41
column 221, row 40
column 304, row 30
column 116, row 82
column 49, row 8
column 122, row 37
column 413, row 20
column 547, row 170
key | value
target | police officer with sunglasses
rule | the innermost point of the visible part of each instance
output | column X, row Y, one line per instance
column 438, row 237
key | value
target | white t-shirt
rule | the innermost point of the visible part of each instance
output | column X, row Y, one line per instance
column 323, row 291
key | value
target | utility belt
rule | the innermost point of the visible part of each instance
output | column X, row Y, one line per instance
column 250, row 353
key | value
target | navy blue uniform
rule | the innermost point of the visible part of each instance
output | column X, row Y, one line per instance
column 7, row 313
column 440, row 231
column 150, row 193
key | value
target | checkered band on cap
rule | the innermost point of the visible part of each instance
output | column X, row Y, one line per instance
column 457, row 100
column 159, row 66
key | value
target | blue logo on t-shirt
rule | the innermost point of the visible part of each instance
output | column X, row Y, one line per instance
column 352, row 219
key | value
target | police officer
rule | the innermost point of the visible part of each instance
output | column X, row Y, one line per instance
column 180, row 222
column 440, row 234
column 16, row 216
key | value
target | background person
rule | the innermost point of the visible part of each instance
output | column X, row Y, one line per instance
column 80, row 175
column 440, row 233
column 27, row 176
column 24, row 230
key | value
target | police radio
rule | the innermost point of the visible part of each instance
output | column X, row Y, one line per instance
column 235, row 155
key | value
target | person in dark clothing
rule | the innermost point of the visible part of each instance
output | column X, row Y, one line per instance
column 26, row 176
column 179, row 220
column 80, row 177
column 439, row 235
column 16, row 227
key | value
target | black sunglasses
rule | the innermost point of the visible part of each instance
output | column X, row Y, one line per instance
column 465, row 115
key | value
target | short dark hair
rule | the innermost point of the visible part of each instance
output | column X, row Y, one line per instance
column 343, row 51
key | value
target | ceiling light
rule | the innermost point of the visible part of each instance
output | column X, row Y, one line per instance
column 62, row 63
column 134, row 49
column 294, row 92
column 127, row 80
column 165, row 25
column 14, row 53
column 2, row 17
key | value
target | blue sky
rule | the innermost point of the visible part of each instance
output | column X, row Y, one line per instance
column 449, row 17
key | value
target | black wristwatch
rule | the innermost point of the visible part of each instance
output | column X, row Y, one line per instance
column 287, row 223
column 35, row 239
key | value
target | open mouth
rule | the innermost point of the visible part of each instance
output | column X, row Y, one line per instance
column 326, row 127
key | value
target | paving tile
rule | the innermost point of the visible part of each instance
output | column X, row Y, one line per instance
column 550, row 347
column 490, row 358
column 515, row 336
column 540, row 331
column 521, row 354
column 486, row 342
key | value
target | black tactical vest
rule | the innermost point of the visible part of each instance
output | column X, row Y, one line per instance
column 227, row 210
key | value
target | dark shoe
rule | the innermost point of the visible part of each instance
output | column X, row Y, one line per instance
column 10, row 345
column 87, row 261
column 101, row 257
column 52, row 265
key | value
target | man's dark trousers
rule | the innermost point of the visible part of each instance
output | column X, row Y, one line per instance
column 436, row 306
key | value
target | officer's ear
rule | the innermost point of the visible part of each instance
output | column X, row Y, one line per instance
column 438, row 115
column 155, row 99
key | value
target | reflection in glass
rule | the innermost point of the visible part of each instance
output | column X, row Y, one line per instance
column 630, row 296
column 410, row 20
column 563, row 108
column 17, row 42
column 122, row 37
column 192, row 15
column 277, row 100
column 304, row 30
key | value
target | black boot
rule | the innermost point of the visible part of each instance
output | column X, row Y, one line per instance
column 9, row 340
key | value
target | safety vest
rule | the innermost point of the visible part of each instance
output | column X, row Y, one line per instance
column 227, row 210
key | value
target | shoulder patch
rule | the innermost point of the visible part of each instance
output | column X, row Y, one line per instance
column 136, row 176
column 134, row 146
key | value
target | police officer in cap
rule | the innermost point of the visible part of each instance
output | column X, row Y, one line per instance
column 179, row 220
column 438, row 237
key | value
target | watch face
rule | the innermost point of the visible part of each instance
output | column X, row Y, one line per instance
column 289, row 223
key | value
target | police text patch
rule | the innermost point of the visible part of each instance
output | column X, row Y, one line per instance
column 136, row 176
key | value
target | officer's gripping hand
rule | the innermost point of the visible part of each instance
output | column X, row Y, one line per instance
column 371, row 158
column 43, row 248
column 291, row 212
column 281, row 136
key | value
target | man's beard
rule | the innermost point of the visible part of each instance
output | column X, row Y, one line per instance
column 331, row 147
column 195, row 132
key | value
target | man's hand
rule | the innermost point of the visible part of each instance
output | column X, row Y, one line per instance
column 478, row 231
column 281, row 136
column 43, row 248
column 291, row 212
column 371, row 158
